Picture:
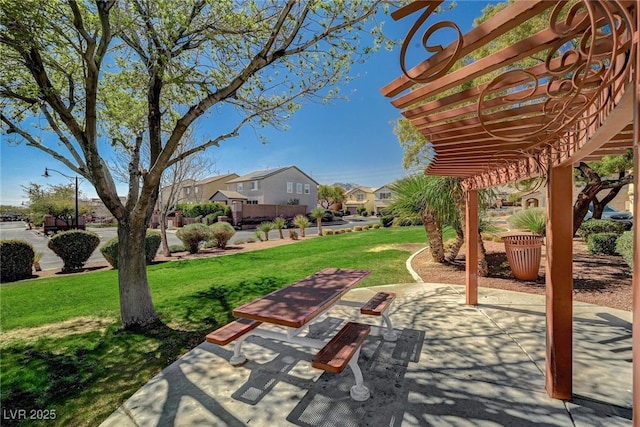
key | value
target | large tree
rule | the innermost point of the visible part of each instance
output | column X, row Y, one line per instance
column 329, row 195
column 104, row 75
column 608, row 176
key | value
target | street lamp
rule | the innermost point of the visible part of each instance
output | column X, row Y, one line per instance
column 46, row 175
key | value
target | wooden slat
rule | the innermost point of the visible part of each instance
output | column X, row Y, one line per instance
column 231, row 331
column 378, row 304
column 484, row 33
column 335, row 356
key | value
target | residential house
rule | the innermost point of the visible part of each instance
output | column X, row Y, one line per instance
column 278, row 186
column 359, row 197
column 192, row 191
column 383, row 197
column 228, row 197
column 98, row 212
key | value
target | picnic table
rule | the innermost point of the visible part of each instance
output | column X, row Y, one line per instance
column 294, row 308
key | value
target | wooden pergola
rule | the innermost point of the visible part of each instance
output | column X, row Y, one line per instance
column 565, row 94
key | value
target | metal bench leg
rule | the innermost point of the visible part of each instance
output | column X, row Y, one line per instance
column 359, row 392
column 390, row 334
column 238, row 358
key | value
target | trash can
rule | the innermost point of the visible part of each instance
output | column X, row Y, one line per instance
column 524, row 252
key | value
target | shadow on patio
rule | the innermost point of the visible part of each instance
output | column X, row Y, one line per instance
column 452, row 365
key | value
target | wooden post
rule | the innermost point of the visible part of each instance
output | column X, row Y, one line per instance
column 471, row 236
column 635, row 281
column 559, row 283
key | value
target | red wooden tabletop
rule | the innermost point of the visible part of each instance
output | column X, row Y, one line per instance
column 297, row 304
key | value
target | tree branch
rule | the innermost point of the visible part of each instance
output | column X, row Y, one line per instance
column 62, row 137
column 32, row 142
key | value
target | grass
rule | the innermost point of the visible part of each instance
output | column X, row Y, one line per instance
column 63, row 348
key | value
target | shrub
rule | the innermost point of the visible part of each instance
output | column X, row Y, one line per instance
column 16, row 260
column 366, row 227
column 293, row 234
column 602, row 243
column 211, row 218
column 532, row 219
column 251, row 240
column 193, row 234
column 177, row 248
column 74, row 247
column 593, row 226
column 348, row 230
column 375, row 226
column 357, row 228
column 152, row 243
column 203, row 209
column 386, row 220
column 328, row 232
column 222, row 233
column 624, row 246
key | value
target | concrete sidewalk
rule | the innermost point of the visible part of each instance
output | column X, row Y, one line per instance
column 453, row 365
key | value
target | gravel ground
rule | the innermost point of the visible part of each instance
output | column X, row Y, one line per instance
column 598, row 279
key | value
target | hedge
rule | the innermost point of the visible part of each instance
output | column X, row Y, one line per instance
column 602, row 243
column 74, row 247
column 152, row 244
column 593, row 226
column 193, row 234
column 624, row 246
column 16, row 260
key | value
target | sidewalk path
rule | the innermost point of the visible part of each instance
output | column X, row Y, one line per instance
column 453, row 365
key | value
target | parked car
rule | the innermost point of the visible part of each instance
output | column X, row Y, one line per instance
column 612, row 215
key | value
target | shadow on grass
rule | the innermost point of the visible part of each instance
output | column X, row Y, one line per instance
column 91, row 373
column 214, row 307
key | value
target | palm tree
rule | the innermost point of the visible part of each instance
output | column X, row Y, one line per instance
column 437, row 201
column 265, row 227
column 317, row 213
column 412, row 200
column 278, row 224
column 302, row 222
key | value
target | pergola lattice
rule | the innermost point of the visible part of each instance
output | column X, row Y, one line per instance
column 495, row 120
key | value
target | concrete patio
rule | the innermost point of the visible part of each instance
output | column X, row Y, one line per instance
column 453, row 365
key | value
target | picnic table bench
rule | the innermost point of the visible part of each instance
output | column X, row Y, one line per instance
column 295, row 307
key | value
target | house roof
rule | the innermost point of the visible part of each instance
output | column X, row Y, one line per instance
column 229, row 194
column 223, row 178
column 265, row 173
column 498, row 119
column 363, row 189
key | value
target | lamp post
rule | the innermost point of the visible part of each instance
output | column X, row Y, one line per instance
column 46, row 175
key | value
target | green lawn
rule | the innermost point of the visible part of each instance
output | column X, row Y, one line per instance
column 63, row 348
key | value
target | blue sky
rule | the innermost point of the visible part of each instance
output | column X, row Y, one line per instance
column 344, row 141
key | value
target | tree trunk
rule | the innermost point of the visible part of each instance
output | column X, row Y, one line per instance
column 163, row 233
column 434, row 233
column 454, row 249
column 588, row 194
column 136, row 306
column 483, row 265
column 319, row 226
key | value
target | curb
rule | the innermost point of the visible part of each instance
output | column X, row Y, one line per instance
column 413, row 273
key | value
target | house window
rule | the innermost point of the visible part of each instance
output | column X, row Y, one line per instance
column 187, row 190
column 254, row 185
column 307, row 189
column 289, row 187
column 385, row 196
column 360, row 197
column 239, row 187
column 252, row 202
column 298, row 188
column 196, row 189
